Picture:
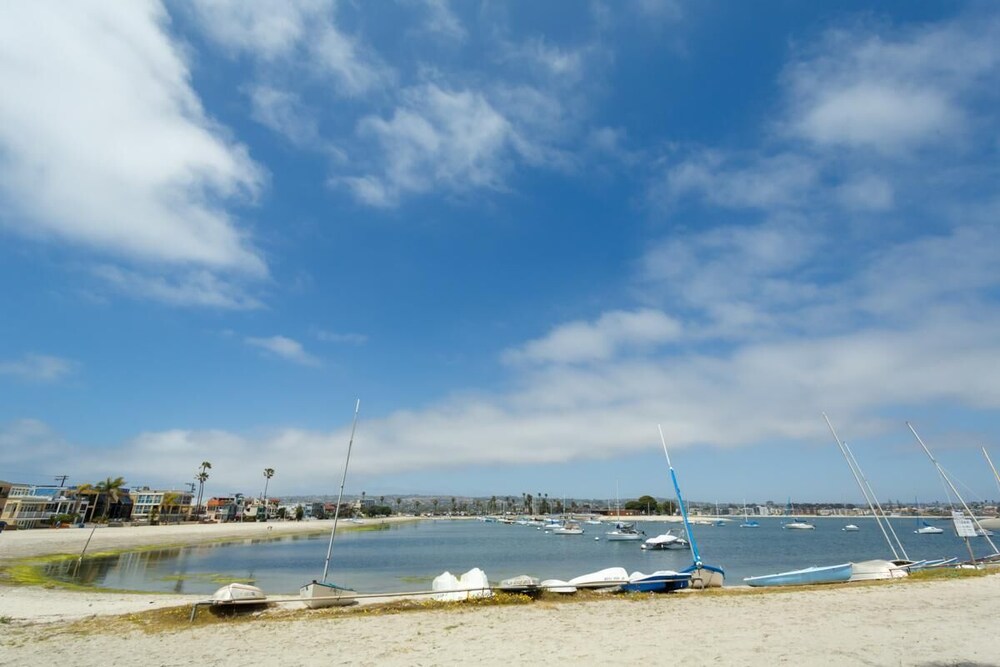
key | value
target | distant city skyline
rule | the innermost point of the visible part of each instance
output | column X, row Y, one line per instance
column 524, row 234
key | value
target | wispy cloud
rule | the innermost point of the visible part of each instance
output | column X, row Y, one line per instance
column 284, row 348
column 200, row 289
column 600, row 340
column 38, row 368
column 438, row 139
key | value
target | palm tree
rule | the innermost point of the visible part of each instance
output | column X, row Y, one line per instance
column 399, row 501
column 168, row 502
column 268, row 474
column 111, row 490
column 202, row 477
column 435, row 504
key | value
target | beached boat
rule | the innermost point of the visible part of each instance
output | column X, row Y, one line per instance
column 473, row 584
column 606, row 578
column 661, row 581
column 558, row 586
column 238, row 593
column 850, row 528
column 665, row 541
column 831, row 574
column 523, row 584
column 702, row 575
column 568, row 528
column 320, row 594
column 624, row 532
column 927, row 529
column 870, row 570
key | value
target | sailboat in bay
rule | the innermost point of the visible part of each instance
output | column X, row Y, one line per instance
column 319, row 594
column 702, row 575
column 747, row 521
column 796, row 523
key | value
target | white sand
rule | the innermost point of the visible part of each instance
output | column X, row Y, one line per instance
column 899, row 623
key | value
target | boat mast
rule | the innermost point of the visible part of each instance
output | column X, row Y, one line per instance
column 867, row 491
column 343, row 480
column 992, row 467
column 957, row 494
column 680, row 502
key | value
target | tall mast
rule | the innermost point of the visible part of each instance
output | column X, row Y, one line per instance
column 992, row 467
column 680, row 502
column 866, row 490
column 957, row 494
column 343, row 480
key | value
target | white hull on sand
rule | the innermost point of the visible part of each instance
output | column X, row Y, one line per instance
column 609, row 577
column 238, row 593
column 870, row 570
column 558, row 586
column 320, row 595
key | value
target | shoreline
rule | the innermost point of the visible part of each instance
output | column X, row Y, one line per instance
column 896, row 622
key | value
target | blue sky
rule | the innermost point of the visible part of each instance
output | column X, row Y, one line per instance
column 522, row 233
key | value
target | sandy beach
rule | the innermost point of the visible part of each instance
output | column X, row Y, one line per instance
column 901, row 623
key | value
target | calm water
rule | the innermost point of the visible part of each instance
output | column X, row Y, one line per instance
column 406, row 557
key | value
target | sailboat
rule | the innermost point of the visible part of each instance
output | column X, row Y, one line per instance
column 319, row 594
column 797, row 524
column 747, row 521
column 702, row 575
column 927, row 529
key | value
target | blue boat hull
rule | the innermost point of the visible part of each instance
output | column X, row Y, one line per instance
column 658, row 582
column 831, row 574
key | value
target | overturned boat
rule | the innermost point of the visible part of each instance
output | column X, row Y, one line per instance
column 236, row 593
column 661, row 581
column 830, row 574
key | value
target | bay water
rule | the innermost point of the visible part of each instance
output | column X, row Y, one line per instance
column 406, row 556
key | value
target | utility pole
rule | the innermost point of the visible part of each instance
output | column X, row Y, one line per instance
column 61, row 479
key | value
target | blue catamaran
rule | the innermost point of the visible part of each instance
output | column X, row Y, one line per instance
column 702, row 575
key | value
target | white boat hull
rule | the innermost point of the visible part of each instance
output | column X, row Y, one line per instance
column 872, row 570
column 799, row 525
column 238, row 593
column 319, row 595
column 558, row 586
column 609, row 577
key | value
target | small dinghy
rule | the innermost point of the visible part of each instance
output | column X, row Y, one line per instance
column 238, row 593
column 523, row 584
column 557, row 586
column 850, row 528
column 473, row 584
column 831, row 574
column 661, row 581
column 318, row 595
column 607, row 578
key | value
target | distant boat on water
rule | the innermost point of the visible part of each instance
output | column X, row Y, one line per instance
column 850, row 528
column 927, row 529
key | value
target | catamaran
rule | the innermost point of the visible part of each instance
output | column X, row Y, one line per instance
column 702, row 575
column 317, row 594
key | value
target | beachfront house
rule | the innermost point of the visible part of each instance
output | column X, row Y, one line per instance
column 161, row 506
column 4, row 494
column 31, row 506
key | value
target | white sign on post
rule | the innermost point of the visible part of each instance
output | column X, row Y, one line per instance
column 963, row 525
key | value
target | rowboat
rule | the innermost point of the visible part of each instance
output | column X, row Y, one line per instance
column 237, row 593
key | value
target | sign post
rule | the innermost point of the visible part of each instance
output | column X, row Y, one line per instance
column 965, row 529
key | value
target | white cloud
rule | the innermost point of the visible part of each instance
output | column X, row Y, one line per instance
column 283, row 112
column 864, row 90
column 104, row 144
column 452, row 140
column 300, row 36
column 610, row 335
column 442, row 21
column 38, row 368
column 284, row 348
column 765, row 182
